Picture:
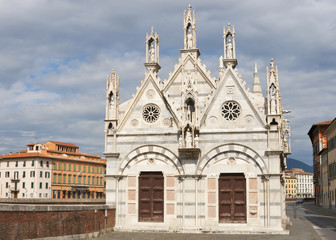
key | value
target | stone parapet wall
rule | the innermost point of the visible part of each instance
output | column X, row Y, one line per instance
column 29, row 221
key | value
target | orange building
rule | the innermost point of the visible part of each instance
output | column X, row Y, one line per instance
column 74, row 174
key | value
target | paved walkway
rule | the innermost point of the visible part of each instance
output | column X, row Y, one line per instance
column 301, row 229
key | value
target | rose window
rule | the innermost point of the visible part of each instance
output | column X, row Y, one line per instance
column 150, row 113
column 230, row 110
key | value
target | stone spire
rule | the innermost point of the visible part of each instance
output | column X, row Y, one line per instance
column 152, row 52
column 229, row 47
column 256, row 82
column 112, row 97
column 189, row 28
column 273, row 93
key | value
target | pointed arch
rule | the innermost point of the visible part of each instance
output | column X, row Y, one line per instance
column 242, row 150
column 149, row 151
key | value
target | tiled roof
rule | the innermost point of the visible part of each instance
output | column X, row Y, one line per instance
column 24, row 155
column 64, row 144
column 323, row 123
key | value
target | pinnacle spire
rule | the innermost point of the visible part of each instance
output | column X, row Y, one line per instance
column 256, row 82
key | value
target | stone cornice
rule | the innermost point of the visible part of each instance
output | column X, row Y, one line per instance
column 113, row 155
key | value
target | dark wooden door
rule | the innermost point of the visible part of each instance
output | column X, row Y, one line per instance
column 151, row 197
column 232, row 197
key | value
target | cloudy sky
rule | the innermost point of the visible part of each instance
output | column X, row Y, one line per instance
column 55, row 55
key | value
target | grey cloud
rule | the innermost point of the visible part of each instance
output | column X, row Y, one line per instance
column 55, row 56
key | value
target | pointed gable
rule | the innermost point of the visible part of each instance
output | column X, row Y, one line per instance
column 232, row 106
column 148, row 110
column 188, row 71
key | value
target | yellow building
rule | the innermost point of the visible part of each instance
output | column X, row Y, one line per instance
column 74, row 174
column 291, row 186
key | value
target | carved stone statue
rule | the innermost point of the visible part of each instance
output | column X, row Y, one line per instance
column 180, row 142
column 221, row 62
column 188, row 139
column 152, row 54
column 196, row 141
column 189, row 40
column 229, row 50
column 273, row 101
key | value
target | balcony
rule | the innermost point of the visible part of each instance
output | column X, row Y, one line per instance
column 15, row 180
column 14, row 189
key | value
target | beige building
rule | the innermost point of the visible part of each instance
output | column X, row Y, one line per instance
column 197, row 151
column 52, row 170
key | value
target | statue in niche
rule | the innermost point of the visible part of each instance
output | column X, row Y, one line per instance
column 111, row 105
column 188, row 114
column 273, row 100
column 196, row 141
column 229, row 50
column 189, row 40
column 180, row 142
column 151, row 54
column 221, row 62
column 188, row 138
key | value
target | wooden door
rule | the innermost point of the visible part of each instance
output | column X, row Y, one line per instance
column 151, row 197
column 232, row 197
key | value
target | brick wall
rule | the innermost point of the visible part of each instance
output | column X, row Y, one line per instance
column 24, row 221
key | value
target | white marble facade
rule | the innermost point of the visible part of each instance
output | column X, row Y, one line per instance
column 193, row 129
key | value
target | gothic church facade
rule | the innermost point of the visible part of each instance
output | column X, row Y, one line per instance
column 196, row 152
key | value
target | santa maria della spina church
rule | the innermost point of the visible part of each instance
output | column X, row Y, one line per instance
column 197, row 153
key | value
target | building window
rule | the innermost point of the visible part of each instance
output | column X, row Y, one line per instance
column 151, row 113
column 23, row 185
column 59, row 166
column 84, row 179
column 41, row 163
column 7, row 174
column 54, row 179
column 32, row 185
column 93, row 178
column 24, row 163
column 74, row 168
column 74, row 179
column 16, row 164
column 69, row 167
column 47, row 185
column 41, row 174
column 84, row 168
column 79, row 168
column 32, row 164
column 69, row 178
column 16, row 175
column 47, row 175
column 230, row 110
column 47, row 163
column 64, row 178
column 64, row 166
column 7, row 164
column 79, row 179
column 55, row 165
column 40, row 185
column 32, row 173
column 59, row 178
column 89, row 169
column 89, row 180
column 40, row 195
column 7, row 184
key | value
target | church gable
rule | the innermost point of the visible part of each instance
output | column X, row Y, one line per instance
column 231, row 106
column 190, row 80
column 149, row 111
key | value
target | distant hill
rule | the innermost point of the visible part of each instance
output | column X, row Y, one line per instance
column 293, row 163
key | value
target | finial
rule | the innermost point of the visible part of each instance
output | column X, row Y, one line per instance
column 272, row 65
column 189, row 7
column 152, row 31
column 255, row 68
